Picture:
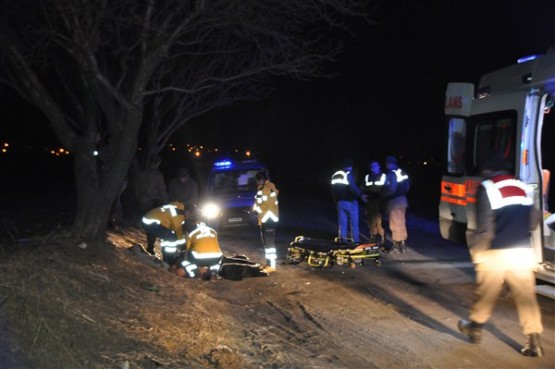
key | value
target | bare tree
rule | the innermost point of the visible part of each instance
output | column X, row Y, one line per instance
column 103, row 71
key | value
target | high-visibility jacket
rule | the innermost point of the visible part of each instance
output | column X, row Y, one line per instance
column 266, row 203
column 170, row 216
column 203, row 243
column 397, row 184
column 373, row 184
column 344, row 187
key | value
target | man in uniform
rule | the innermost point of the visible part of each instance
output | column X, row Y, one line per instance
column 396, row 203
column 203, row 255
column 166, row 223
column 372, row 187
column 267, row 207
column 345, row 195
column 502, row 253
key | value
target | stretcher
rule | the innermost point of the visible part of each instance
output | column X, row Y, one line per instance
column 321, row 253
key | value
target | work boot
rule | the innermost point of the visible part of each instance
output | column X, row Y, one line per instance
column 471, row 329
column 150, row 250
column 533, row 346
column 402, row 247
column 395, row 248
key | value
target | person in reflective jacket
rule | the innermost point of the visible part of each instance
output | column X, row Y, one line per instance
column 345, row 195
column 502, row 253
column 266, row 206
column 372, row 186
column 396, row 203
column 203, row 255
column 165, row 223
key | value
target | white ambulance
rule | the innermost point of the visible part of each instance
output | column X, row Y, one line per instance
column 512, row 112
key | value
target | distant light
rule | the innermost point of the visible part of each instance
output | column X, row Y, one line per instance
column 223, row 164
column 524, row 59
column 248, row 154
column 95, row 152
column 197, row 154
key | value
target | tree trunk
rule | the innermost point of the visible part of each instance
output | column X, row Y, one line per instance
column 99, row 182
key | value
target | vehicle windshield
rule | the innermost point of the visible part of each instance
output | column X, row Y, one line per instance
column 234, row 181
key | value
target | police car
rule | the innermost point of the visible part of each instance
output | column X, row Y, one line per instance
column 230, row 192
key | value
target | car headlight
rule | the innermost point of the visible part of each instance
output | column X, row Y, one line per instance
column 211, row 210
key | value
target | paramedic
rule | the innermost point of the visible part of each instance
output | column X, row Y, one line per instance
column 372, row 187
column 203, row 255
column 166, row 223
column 395, row 195
column 345, row 195
column 501, row 252
column 267, row 207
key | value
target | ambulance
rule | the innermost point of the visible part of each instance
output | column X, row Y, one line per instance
column 230, row 191
column 511, row 111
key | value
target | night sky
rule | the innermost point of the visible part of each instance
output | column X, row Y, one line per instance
column 387, row 97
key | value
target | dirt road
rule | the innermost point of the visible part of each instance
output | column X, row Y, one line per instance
column 73, row 307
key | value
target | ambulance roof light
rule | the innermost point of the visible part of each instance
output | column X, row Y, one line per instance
column 226, row 163
column 524, row 59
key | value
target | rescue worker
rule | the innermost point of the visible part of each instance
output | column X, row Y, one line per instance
column 166, row 223
column 345, row 195
column 202, row 255
column 502, row 253
column 396, row 203
column 150, row 187
column 267, row 208
column 372, row 187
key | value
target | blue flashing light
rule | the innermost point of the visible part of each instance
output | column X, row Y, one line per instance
column 524, row 59
column 223, row 164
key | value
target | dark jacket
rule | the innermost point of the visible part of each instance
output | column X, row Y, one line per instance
column 505, row 214
column 344, row 187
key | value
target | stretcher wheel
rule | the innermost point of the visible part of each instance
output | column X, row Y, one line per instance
column 378, row 262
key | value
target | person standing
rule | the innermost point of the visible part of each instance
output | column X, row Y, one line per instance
column 166, row 223
column 345, row 195
column 372, row 187
column 150, row 187
column 183, row 188
column 267, row 207
column 396, row 203
column 502, row 253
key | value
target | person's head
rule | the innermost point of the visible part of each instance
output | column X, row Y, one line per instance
column 374, row 166
column 261, row 177
column 347, row 164
column 191, row 215
column 391, row 162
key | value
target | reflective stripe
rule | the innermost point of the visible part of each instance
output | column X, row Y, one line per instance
column 206, row 255
column 150, row 221
column 166, row 243
column 400, row 177
column 169, row 249
column 269, row 215
column 172, row 209
column 340, row 177
column 508, row 192
column 380, row 182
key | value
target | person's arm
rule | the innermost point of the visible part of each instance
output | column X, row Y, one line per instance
column 390, row 184
column 481, row 239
